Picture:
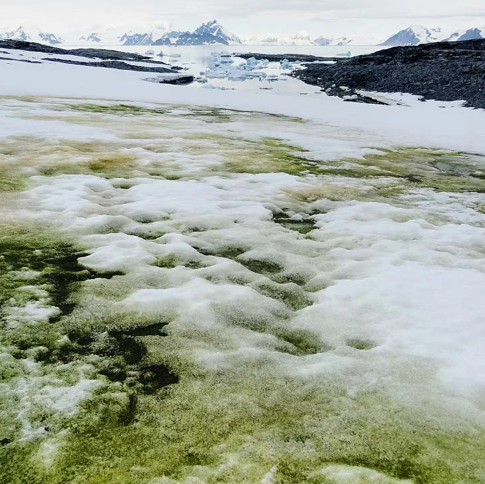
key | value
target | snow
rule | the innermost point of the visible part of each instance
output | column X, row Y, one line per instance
column 391, row 277
column 422, row 273
column 454, row 129
column 425, row 35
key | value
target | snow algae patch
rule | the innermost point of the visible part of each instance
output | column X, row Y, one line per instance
column 199, row 296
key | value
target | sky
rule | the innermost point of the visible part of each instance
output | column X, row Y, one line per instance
column 377, row 18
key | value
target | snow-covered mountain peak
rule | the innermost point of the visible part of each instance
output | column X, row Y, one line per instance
column 127, row 34
column 217, row 30
column 418, row 34
column 303, row 35
column 30, row 33
column 414, row 35
column 213, row 33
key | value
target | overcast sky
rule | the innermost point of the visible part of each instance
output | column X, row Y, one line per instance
column 248, row 17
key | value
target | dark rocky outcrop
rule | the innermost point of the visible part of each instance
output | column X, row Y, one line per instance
column 443, row 71
column 112, row 59
column 30, row 46
column 122, row 66
column 177, row 81
column 290, row 57
column 20, row 60
column 104, row 54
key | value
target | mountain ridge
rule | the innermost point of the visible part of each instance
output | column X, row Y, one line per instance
column 418, row 34
column 213, row 33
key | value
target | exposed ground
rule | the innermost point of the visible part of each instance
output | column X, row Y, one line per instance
column 289, row 57
column 103, row 58
column 444, row 71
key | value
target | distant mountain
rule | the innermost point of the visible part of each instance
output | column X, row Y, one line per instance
column 94, row 37
column 171, row 38
column 143, row 34
column 470, row 34
column 322, row 41
column 215, row 29
column 210, row 33
column 342, row 41
column 417, row 34
column 301, row 38
column 213, row 33
column 136, row 39
column 191, row 38
column 31, row 34
column 51, row 39
column 414, row 35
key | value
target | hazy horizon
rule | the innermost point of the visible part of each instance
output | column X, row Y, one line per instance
column 377, row 18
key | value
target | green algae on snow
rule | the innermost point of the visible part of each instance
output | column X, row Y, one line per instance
column 418, row 167
column 216, row 431
column 118, row 109
column 212, row 426
column 43, row 349
column 158, row 414
column 217, row 427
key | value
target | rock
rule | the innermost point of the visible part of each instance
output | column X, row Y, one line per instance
column 123, row 66
column 104, row 54
column 177, row 81
column 30, row 46
column 443, row 71
column 111, row 59
column 287, row 57
column 20, row 60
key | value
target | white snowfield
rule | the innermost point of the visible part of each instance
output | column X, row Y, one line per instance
column 424, row 125
column 319, row 266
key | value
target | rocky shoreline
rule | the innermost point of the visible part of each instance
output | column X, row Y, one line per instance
column 288, row 57
column 103, row 58
column 443, row 71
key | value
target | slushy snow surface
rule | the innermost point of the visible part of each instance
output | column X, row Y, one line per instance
column 320, row 287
